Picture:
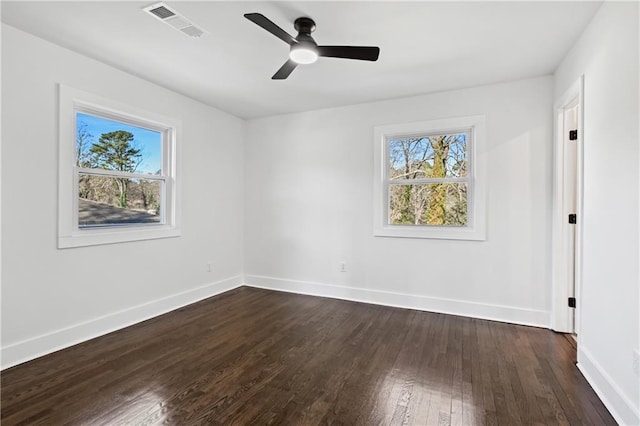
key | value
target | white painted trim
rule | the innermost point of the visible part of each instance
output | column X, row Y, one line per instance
column 477, row 180
column 115, row 235
column 35, row 347
column 619, row 405
column 560, row 312
column 464, row 308
column 69, row 235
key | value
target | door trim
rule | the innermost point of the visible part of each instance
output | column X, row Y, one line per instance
column 561, row 315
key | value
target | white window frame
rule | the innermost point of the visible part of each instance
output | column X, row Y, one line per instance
column 476, row 191
column 73, row 101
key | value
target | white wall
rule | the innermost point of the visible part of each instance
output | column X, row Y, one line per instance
column 607, row 55
column 52, row 298
column 309, row 183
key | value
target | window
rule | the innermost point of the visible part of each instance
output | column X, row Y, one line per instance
column 429, row 179
column 117, row 172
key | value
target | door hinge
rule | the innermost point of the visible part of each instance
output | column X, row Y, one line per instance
column 573, row 218
column 572, row 302
column 573, row 135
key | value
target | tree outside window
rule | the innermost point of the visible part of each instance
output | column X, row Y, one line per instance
column 122, row 196
column 428, row 180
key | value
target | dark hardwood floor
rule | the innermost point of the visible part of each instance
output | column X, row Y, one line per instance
column 254, row 356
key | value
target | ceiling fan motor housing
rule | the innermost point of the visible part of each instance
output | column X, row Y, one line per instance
column 304, row 25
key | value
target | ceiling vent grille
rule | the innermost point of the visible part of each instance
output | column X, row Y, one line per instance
column 161, row 12
column 174, row 19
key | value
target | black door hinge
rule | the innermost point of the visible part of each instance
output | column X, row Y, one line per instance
column 573, row 135
column 572, row 302
column 573, row 218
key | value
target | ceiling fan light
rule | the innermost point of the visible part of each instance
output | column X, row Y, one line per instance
column 303, row 55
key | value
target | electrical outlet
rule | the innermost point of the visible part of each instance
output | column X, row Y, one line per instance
column 343, row 266
column 636, row 362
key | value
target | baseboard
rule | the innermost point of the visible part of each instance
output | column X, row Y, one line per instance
column 620, row 407
column 29, row 349
column 423, row 303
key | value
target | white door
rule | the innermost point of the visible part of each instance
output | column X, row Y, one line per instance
column 571, row 139
column 566, row 238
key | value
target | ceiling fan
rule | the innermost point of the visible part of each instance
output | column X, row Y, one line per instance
column 304, row 49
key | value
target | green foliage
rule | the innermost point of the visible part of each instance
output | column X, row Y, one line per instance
column 115, row 151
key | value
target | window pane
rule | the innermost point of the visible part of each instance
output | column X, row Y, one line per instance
column 428, row 157
column 108, row 200
column 108, row 144
column 443, row 204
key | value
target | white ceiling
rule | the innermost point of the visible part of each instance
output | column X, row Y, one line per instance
column 425, row 47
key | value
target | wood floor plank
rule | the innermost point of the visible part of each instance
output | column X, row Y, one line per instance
column 253, row 356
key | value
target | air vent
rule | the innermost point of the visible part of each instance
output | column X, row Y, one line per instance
column 174, row 19
column 161, row 12
column 192, row 31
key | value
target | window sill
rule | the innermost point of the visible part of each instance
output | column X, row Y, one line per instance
column 431, row 232
column 94, row 237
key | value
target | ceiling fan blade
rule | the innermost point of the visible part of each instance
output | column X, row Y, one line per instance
column 285, row 70
column 265, row 23
column 363, row 53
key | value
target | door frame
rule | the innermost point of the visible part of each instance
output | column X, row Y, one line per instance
column 561, row 314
